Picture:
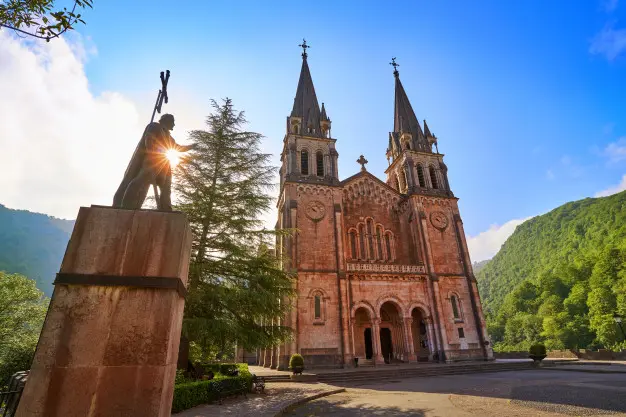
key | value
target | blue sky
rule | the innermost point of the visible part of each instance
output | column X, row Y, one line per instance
column 528, row 98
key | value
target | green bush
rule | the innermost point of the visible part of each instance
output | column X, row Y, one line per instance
column 296, row 361
column 537, row 349
column 191, row 394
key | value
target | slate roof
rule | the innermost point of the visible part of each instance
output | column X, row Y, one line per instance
column 404, row 119
column 305, row 104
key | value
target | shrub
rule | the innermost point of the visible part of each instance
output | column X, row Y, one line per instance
column 191, row 394
column 537, row 349
column 296, row 361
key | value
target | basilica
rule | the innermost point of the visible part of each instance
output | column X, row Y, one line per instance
column 383, row 270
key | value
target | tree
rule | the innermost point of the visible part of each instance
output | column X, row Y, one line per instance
column 22, row 312
column 40, row 18
column 237, row 288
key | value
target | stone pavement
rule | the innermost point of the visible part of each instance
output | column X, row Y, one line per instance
column 278, row 397
column 541, row 393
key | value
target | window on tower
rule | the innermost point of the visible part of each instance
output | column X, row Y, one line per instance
column 304, row 163
column 420, row 176
column 319, row 158
column 433, row 177
column 455, row 307
column 318, row 307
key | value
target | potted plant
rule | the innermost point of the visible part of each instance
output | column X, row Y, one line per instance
column 537, row 353
column 296, row 364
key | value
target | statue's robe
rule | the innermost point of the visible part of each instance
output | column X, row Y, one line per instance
column 153, row 134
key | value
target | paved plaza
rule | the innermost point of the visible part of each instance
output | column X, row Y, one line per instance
column 540, row 393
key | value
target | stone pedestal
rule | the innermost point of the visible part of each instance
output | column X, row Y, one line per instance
column 110, row 340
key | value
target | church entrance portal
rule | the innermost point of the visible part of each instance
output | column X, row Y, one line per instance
column 368, row 344
column 386, row 345
column 420, row 335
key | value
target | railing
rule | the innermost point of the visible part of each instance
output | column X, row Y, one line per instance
column 10, row 399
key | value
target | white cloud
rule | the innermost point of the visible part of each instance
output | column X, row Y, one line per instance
column 616, row 151
column 609, row 42
column 60, row 146
column 613, row 189
column 486, row 244
column 609, row 5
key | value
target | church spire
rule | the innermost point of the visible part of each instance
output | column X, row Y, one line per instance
column 404, row 120
column 305, row 104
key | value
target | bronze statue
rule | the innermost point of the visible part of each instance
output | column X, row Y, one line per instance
column 150, row 166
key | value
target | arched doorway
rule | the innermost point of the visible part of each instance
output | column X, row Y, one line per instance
column 391, row 333
column 419, row 331
column 363, row 336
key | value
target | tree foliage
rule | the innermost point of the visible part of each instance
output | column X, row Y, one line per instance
column 39, row 18
column 560, row 279
column 22, row 312
column 237, row 288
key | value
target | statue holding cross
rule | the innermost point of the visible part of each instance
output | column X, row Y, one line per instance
column 149, row 164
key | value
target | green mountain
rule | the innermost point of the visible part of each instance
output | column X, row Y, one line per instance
column 564, row 268
column 33, row 244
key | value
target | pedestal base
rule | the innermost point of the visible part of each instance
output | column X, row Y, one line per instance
column 109, row 344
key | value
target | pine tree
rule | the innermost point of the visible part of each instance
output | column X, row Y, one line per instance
column 236, row 283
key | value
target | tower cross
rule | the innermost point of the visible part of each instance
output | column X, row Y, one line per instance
column 304, row 46
column 395, row 66
column 362, row 161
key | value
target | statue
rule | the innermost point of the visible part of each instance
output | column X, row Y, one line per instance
column 150, row 166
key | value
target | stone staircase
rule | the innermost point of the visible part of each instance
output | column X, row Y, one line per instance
column 383, row 373
column 367, row 372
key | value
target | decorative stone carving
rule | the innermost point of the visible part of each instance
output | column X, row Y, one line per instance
column 411, row 269
column 439, row 220
column 315, row 211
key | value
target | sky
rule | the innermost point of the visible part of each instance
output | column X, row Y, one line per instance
column 527, row 99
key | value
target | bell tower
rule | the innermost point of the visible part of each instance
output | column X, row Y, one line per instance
column 309, row 153
column 413, row 166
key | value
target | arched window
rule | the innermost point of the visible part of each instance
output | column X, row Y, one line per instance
column 296, row 129
column 433, row 177
column 455, row 307
column 420, row 176
column 388, row 246
column 362, row 241
column 304, row 162
column 319, row 158
column 370, row 239
column 379, row 242
column 408, row 146
column 397, row 183
column 353, row 249
column 318, row 307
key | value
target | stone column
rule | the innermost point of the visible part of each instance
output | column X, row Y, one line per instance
column 110, row 340
column 274, row 362
column 267, row 357
column 430, row 331
column 378, row 355
column 408, row 337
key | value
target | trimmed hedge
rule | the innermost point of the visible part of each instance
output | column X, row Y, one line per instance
column 191, row 394
column 537, row 349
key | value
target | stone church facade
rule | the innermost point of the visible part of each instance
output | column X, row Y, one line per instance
column 383, row 270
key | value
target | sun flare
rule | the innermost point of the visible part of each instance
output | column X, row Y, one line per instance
column 173, row 156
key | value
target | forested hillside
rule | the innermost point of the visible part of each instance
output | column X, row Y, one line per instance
column 33, row 245
column 560, row 278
